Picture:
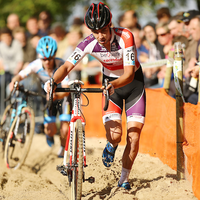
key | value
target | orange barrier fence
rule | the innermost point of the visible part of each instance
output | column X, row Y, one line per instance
column 158, row 136
column 192, row 147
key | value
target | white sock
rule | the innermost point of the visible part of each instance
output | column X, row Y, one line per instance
column 124, row 175
column 61, row 150
column 113, row 145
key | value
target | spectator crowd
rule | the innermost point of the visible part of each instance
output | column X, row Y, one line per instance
column 153, row 42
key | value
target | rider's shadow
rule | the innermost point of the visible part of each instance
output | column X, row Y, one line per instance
column 48, row 157
column 136, row 184
column 140, row 184
column 104, row 193
column 89, row 151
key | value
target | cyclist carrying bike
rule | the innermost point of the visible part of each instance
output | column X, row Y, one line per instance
column 115, row 49
column 45, row 66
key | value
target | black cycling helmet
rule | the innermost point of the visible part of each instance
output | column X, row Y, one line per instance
column 97, row 16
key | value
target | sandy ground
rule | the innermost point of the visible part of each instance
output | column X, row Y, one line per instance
column 38, row 179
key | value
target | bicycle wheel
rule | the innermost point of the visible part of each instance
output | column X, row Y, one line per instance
column 19, row 138
column 77, row 162
column 4, row 127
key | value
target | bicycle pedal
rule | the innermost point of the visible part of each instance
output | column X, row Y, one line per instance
column 61, row 169
column 11, row 144
column 64, row 173
column 91, row 179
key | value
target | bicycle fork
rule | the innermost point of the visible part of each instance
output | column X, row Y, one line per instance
column 67, row 168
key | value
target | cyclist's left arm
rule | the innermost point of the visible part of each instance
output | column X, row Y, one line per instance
column 129, row 60
column 126, row 78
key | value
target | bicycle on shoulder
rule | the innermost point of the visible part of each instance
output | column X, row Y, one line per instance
column 74, row 161
column 21, row 128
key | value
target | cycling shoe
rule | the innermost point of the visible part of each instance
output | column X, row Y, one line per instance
column 50, row 140
column 108, row 154
column 125, row 185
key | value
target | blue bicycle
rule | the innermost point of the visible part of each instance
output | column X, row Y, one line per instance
column 21, row 124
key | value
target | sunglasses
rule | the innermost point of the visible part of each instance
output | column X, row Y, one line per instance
column 163, row 34
column 45, row 59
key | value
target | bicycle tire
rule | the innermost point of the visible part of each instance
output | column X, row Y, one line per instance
column 4, row 127
column 77, row 160
column 18, row 144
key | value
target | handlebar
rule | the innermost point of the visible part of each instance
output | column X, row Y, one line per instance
column 50, row 102
column 106, row 96
column 25, row 91
column 75, row 90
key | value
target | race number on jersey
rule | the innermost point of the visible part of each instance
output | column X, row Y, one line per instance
column 129, row 56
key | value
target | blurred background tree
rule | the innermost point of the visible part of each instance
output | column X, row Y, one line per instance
column 62, row 9
column 151, row 4
column 129, row 4
column 59, row 9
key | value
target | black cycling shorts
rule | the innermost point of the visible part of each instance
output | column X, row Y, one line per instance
column 134, row 96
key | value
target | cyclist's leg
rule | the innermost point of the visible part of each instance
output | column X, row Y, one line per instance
column 113, row 136
column 130, row 152
column 113, row 131
column 113, row 127
column 64, row 127
column 135, row 112
column 50, row 128
column 135, row 121
column 112, row 119
column 65, row 117
column 132, row 144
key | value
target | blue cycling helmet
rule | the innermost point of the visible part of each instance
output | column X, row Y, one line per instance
column 46, row 47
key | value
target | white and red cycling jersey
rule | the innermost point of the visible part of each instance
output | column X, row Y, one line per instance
column 122, row 53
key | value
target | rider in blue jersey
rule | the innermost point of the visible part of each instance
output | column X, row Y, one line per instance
column 45, row 66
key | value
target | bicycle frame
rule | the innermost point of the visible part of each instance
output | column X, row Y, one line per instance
column 17, row 105
column 22, row 116
column 76, row 114
column 74, row 164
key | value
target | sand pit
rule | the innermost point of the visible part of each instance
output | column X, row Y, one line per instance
column 38, row 179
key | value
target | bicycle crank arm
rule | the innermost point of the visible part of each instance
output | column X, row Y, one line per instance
column 91, row 179
column 61, row 169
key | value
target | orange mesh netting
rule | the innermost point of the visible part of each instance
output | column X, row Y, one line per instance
column 192, row 149
column 158, row 136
